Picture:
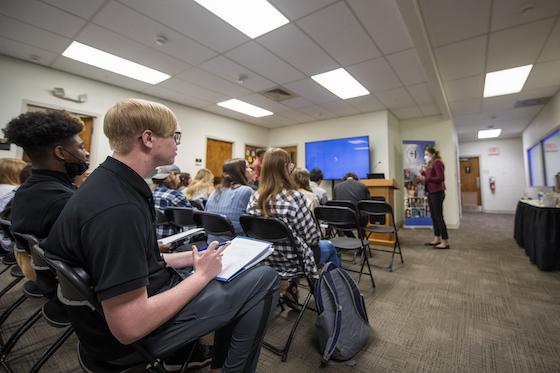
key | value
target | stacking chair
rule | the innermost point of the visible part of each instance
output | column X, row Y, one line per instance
column 377, row 209
column 75, row 289
column 197, row 204
column 345, row 218
column 215, row 224
column 161, row 217
column 181, row 216
column 276, row 231
column 15, row 271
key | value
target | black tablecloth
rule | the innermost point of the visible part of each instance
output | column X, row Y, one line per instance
column 537, row 230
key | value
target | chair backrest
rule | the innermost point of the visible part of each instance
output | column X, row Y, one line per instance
column 5, row 225
column 215, row 224
column 376, row 209
column 341, row 203
column 338, row 217
column 24, row 241
column 181, row 216
column 197, row 204
column 161, row 217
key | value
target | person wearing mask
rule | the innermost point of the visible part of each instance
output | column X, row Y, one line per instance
column 316, row 177
column 202, row 185
column 232, row 196
column 433, row 175
column 52, row 142
column 108, row 229
column 257, row 164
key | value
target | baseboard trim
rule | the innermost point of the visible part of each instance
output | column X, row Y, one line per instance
column 499, row 211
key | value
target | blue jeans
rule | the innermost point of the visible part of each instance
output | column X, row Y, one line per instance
column 328, row 253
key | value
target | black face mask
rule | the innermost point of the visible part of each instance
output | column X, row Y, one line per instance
column 74, row 169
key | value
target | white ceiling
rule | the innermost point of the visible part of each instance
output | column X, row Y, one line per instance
column 206, row 56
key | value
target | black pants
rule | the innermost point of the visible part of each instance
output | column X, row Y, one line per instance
column 435, row 201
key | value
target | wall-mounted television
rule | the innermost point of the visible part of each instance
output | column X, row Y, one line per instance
column 339, row 156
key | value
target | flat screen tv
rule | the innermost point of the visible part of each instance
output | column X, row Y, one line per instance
column 339, row 156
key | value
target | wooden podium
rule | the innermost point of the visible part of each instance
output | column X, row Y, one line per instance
column 384, row 188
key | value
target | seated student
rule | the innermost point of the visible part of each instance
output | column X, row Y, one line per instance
column 166, row 195
column 278, row 197
column 231, row 197
column 351, row 189
column 301, row 179
column 10, row 170
column 202, row 185
column 52, row 142
column 184, row 181
column 108, row 229
column 315, row 177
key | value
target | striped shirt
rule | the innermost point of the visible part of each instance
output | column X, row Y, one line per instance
column 230, row 202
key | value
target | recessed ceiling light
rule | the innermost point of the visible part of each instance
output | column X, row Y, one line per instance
column 251, row 17
column 505, row 82
column 489, row 134
column 341, row 84
column 245, row 108
column 107, row 61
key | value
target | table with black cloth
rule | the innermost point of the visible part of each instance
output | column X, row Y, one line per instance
column 537, row 230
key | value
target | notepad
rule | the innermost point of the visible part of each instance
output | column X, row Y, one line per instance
column 180, row 236
column 241, row 254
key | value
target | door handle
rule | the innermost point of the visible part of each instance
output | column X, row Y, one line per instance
column 478, row 182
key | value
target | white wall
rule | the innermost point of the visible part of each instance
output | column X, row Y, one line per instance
column 545, row 123
column 443, row 133
column 22, row 81
column 505, row 167
column 395, row 163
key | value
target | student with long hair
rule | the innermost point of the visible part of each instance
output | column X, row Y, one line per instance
column 301, row 179
column 232, row 196
column 433, row 176
column 10, row 169
column 202, row 185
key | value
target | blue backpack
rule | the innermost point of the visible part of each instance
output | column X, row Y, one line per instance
column 342, row 323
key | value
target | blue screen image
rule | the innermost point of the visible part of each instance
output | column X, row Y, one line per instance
column 337, row 157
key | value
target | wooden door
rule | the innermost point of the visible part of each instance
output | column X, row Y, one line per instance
column 217, row 152
column 470, row 182
column 292, row 151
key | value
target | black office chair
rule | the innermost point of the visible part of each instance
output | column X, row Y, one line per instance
column 15, row 271
column 276, row 231
column 181, row 216
column 75, row 289
column 197, row 204
column 215, row 224
column 376, row 209
column 161, row 217
column 345, row 218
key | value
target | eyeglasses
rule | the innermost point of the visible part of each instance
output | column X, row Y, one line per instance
column 177, row 138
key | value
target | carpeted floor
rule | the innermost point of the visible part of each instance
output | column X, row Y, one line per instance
column 479, row 307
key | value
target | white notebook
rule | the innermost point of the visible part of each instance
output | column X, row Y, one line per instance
column 180, row 236
column 241, row 254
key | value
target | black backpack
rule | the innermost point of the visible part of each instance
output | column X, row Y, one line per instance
column 342, row 322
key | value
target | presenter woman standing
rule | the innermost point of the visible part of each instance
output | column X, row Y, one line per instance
column 433, row 176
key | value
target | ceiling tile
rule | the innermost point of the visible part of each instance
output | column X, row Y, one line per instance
column 142, row 29
column 159, row 91
column 118, row 45
column 407, row 113
column 463, row 59
column 538, row 92
column 189, row 89
column 192, row 20
column 498, row 104
column 429, row 109
column 341, row 108
column 459, row 108
column 43, row 16
column 296, row 116
column 258, row 59
column 209, row 81
column 231, row 71
column 336, row 30
column 421, row 94
column 294, row 9
column 462, row 89
column 366, row 104
column 297, row 102
column 408, row 67
column 263, row 102
column 544, row 74
column 317, row 112
column 517, row 46
column 24, row 52
column 551, row 49
column 384, row 23
column 294, row 47
column 82, row 8
column 452, row 21
column 25, row 33
column 312, row 91
column 507, row 13
column 395, row 99
column 376, row 75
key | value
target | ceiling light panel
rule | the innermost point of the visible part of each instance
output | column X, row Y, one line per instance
column 245, row 108
column 251, row 17
column 505, row 82
column 107, row 61
column 341, row 84
column 489, row 134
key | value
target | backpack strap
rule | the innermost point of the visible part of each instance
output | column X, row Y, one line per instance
column 357, row 297
column 333, row 339
column 317, row 293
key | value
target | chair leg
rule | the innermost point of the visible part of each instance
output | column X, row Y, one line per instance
column 364, row 262
column 393, row 257
column 52, row 349
column 12, row 308
column 14, row 338
column 400, row 249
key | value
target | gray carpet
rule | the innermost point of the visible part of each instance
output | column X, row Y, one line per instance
column 479, row 307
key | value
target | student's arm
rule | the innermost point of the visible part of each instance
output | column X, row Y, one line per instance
column 179, row 260
column 133, row 315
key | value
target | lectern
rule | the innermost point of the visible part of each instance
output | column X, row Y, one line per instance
column 384, row 188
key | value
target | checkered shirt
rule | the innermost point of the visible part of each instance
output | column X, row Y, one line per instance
column 165, row 197
column 291, row 207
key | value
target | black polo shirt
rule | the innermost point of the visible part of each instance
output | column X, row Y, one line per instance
column 39, row 201
column 108, row 229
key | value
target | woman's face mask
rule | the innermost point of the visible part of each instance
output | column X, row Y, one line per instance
column 427, row 158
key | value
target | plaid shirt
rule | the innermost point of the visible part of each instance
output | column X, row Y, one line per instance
column 291, row 207
column 164, row 198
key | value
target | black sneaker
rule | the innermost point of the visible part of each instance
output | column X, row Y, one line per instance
column 16, row 271
column 9, row 259
column 201, row 357
column 55, row 314
column 31, row 289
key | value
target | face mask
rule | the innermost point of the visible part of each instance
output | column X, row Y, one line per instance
column 427, row 158
column 74, row 169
